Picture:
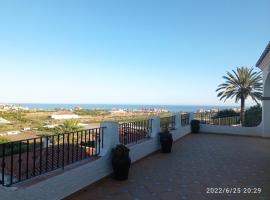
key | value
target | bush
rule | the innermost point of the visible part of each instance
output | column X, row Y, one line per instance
column 94, row 112
column 120, row 150
column 195, row 126
column 18, row 147
column 3, row 140
column 89, row 144
column 226, row 113
column 253, row 116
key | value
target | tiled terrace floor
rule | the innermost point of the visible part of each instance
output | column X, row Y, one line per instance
column 197, row 162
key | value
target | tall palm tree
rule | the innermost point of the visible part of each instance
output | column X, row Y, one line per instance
column 241, row 84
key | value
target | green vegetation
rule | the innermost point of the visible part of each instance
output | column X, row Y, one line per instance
column 3, row 140
column 37, row 121
column 226, row 113
column 18, row 147
column 20, row 119
column 69, row 126
column 241, row 84
column 253, row 116
column 13, row 115
column 120, row 150
column 89, row 112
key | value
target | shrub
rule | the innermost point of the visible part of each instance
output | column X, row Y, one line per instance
column 120, row 150
column 253, row 116
column 3, row 140
column 89, row 144
column 226, row 113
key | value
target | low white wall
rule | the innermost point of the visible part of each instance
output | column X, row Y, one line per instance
column 234, row 130
column 70, row 181
column 151, row 145
column 60, row 186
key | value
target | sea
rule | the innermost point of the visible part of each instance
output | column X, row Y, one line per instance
column 171, row 108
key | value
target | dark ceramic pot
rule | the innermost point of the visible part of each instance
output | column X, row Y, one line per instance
column 166, row 141
column 121, row 165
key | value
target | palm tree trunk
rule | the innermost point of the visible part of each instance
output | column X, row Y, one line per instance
column 242, row 113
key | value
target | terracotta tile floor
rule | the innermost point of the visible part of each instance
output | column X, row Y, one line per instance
column 198, row 161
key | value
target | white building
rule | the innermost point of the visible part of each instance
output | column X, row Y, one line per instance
column 264, row 64
column 65, row 116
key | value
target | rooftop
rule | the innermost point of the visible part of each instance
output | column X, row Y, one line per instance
column 198, row 161
column 265, row 52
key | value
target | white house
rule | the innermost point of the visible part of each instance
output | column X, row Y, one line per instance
column 65, row 116
column 264, row 64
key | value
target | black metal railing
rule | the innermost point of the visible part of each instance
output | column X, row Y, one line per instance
column 214, row 119
column 133, row 132
column 185, row 118
column 24, row 159
column 167, row 122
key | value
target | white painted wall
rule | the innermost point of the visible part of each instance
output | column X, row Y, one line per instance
column 266, row 105
column 70, row 181
column 234, row 130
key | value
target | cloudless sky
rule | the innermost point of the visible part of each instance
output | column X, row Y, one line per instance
column 137, row 52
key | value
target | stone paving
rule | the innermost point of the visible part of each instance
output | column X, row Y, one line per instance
column 198, row 161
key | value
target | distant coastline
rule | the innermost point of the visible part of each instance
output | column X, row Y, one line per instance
column 171, row 108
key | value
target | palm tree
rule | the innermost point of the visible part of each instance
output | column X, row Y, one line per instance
column 69, row 126
column 241, row 84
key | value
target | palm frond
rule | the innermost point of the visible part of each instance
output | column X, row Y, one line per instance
column 241, row 83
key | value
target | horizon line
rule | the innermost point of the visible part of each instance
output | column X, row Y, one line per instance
column 146, row 104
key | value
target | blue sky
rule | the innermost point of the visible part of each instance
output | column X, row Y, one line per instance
column 137, row 52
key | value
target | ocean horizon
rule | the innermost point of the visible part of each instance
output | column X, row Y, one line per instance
column 171, row 108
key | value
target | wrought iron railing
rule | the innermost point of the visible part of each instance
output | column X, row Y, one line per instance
column 185, row 118
column 214, row 119
column 24, row 159
column 167, row 122
column 133, row 132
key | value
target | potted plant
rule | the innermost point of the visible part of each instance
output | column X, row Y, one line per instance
column 195, row 126
column 120, row 162
column 166, row 140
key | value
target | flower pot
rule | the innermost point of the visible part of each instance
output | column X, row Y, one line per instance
column 195, row 126
column 166, row 141
column 121, row 165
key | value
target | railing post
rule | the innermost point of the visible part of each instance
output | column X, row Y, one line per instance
column 110, row 137
column 155, row 126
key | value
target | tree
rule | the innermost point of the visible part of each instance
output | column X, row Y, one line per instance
column 69, row 126
column 241, row 84
column 253, row 116
column 226, row 113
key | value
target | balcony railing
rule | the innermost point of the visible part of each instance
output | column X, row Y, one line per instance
column 168, row 122
column 213, row 119
column 24, row 159
column 133, row 132
column 185, row 118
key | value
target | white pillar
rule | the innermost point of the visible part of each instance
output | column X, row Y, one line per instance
column 266, row 105
column 45, row 141
column 155, row 126
column 110, row 137
column 178, row 123
column 191, row 117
